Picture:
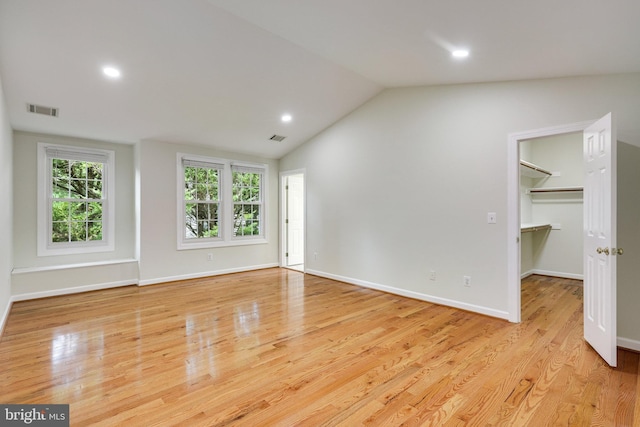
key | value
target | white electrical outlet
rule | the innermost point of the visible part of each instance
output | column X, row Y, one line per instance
column 467, row 281
column 315, row 256
column 432, row 275
column 209, row 257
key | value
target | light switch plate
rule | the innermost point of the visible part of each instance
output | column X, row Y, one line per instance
column 492, row 218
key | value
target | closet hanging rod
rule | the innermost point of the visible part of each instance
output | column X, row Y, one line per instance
column 532, row 228
column 534, row 167
column 556, row 190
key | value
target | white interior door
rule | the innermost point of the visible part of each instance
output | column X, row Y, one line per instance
column 295, row 220
column 600, row 238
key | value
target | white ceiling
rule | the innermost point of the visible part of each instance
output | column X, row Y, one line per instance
column 221, row 72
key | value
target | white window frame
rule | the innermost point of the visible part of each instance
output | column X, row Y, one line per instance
column 249, row 168
column 46, row 247
column 203, row 162
column 226, row 237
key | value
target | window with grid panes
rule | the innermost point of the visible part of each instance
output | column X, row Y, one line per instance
column 75, row 213
column 202, row 199
column 221, row 202
column 247, row 201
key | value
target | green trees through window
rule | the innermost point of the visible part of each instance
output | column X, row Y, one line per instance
column 247, row 203
column 77, row 201
column 223, row 202
column 202, row 202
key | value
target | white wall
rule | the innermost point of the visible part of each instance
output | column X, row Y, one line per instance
column 160, row 260
column 6, row 211
column 145, row 201
column 403, row 185
column 628, row 272
column 35, row 276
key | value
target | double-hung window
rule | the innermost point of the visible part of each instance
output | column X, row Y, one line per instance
column 202, row 199
column 75, row 203
column 220, row 202
column 248, row 203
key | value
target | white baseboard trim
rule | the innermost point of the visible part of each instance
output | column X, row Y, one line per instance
column 526, row 274
column 5, row 316
column 74, row 290
column 147, row 282
column 629, row 344
column 555, row 274
column 415, row 295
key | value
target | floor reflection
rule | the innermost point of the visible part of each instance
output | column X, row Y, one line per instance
column 246, row 319
column 292, row 291
column 72, row 360
column 242, row 330
column 201, row 332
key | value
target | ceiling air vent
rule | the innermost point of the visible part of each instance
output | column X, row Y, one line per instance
column 39, row 109
column 277, row 138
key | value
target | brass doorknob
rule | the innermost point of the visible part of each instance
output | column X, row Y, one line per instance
column 617, row 251
column 605, row 251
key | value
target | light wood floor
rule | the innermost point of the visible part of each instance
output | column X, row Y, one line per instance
column 277, row 347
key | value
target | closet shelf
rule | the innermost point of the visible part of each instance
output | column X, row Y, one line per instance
column 532, row 171
column 528, row 228
column 541, row 190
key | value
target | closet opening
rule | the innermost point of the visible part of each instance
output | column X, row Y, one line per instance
column 551, row 206
column 547, row 234
column 553, row 196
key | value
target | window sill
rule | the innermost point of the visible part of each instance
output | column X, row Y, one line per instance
column 26, row 270
column 221, row 244
column 74, row 250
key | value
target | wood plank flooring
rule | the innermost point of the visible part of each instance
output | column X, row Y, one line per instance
column 277, row 347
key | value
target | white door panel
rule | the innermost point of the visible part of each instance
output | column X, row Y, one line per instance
column 295, row 220
column 600, row 238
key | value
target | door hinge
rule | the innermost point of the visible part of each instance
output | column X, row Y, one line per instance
column 286, row 221
column 286, row 254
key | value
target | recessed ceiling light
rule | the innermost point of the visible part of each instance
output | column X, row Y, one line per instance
column 460, row 53
column 286, row 118
column 111, row 72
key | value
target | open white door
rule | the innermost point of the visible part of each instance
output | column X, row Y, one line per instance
column 294, row 221
column 600, row 238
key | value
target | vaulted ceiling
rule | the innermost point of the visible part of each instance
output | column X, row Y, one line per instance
column 221, row 73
